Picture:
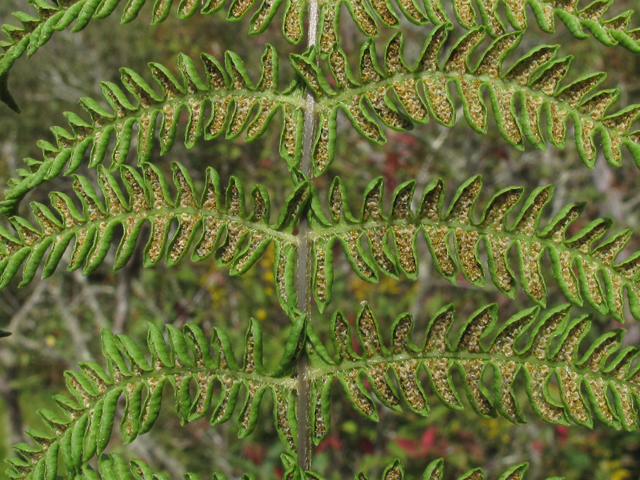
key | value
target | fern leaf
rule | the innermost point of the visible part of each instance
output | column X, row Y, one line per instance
column 600, row 281
column 83, row 427
column 236, row 106
column 235, row 237
column 578, row 21
column 114, row 467
column 603, row 368
column 37, row 30
column 613, row 31
column 531, row 86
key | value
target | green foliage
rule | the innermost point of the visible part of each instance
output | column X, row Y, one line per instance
column 228, row 94
column 37, row 30
column 237, row 237
column 570, row 375
column 439, row 227
column 537, row 360
column 114, row 467
column 531, row 86
column 83, row 429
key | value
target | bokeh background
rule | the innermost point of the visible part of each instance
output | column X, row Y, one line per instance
column 56, row 322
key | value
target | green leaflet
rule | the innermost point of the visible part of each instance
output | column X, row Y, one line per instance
column 114, row 467
column 530, row 87
column 37, row 30
column 613, row 31
column 548, row 347
column 600, row 281
column 83, row 429
column 236, row 106
column 236, row 237
column 609, row 32
column 604, row 369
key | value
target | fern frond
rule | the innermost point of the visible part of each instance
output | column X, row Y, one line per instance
column 603, row 369
column 609, row 32
column 435, row 471
column 531, row 86
column 236, row 106
column 236, row 237
column 37, row 30
column 114, row 467
column 600, row 280
column 614, row 31
column 83, row 428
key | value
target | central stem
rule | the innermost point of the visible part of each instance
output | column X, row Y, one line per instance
column 303, row 280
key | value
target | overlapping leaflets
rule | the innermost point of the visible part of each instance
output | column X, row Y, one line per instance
column 224, row 228
column 36, row 30
column 602, row 369
column 234, row 103
column 578, row 17
column 83, row 428
column 601, row 383
column 521, row 97
column 239, row 238
column 536, row 349
column 600, row 281
column 114, row 467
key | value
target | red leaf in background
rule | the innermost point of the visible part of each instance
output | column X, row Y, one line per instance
column 407, row 445
column 404, row 138
column 255, row 453
column 329, row 443
column 391, row 165
column 415, row 449
column 562, row 432
column 537, row 445
column 365, row 445
column 352, row 321
column 428, row 440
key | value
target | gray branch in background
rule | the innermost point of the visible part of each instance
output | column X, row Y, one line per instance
column 72, row 323
column 36, row 297
column 89, row 296
column 121, row 300
column 10, row 397
column 148, row 449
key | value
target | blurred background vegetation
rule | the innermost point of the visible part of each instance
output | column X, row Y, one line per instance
column 56, row 323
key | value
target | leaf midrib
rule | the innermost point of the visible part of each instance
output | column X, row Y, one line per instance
column 329, row 103
column 318, row 372
column 147, row 215
column 335, row 231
